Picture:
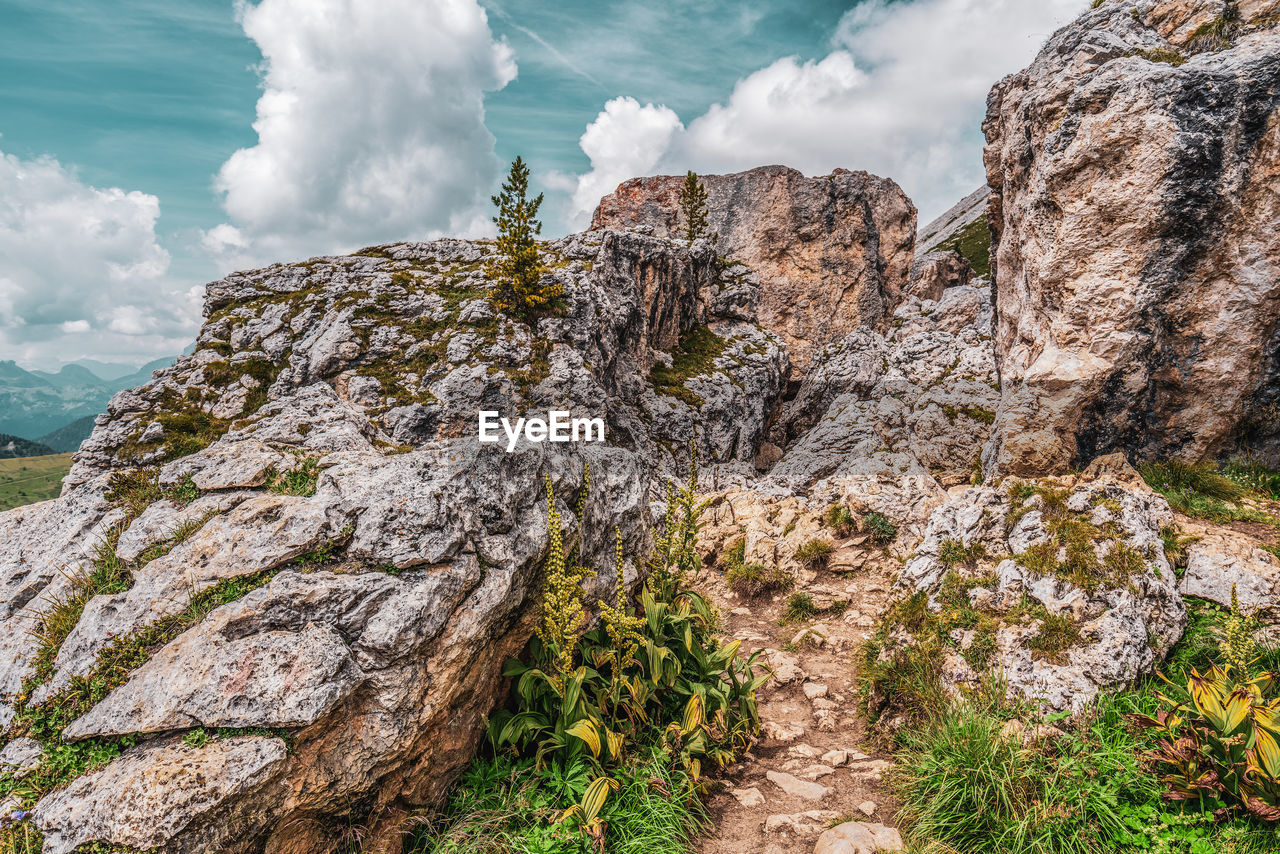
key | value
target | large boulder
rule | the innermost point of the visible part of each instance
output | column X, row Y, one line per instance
column 1135, row 212
column 294, row 539
column 1061, row 586
column 833, row 254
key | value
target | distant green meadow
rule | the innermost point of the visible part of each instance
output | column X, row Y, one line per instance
column 26, row 480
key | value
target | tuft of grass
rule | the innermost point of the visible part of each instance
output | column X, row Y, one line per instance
column 1057, row 633
column 839, row 519
column 754, row 579
column 953, row 552
column 814, row 553
column 800, row 607
column 299, row 480
column 881, row 529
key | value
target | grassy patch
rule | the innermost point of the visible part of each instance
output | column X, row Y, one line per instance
column 880, row 527
column 814, row 553
column 839, row 519
column 1201, row 491
column 974, row 243
column 966, row 783
column 694, row 356
column 754, row 579
column 299, row 480
column 505, row 806
column 1057, row 634
column 26, row 480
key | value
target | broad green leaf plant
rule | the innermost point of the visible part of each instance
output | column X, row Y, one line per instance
column 657, row 676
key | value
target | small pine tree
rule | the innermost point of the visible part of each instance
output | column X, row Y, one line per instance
column 693, row 207
column 516, row 267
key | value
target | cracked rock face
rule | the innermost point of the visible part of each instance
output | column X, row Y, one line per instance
column 1136, row 220
column 311, row 542
column 1015, row 560
column 832, row 254
column 918, row 398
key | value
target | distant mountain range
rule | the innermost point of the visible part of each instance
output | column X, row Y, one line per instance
column 56, row 410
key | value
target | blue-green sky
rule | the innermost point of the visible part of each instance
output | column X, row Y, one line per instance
column 132, row 171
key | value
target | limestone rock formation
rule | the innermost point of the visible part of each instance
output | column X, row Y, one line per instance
column 919, row 397
column 293, row 539
column 833, row 254
column 1136, row 220
column 1068, row 582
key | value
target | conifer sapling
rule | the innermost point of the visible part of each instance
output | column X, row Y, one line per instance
column 515, row 266
column 693, row 207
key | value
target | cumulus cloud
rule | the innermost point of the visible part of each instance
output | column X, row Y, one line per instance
column 370, row 127
column 85, row 262
column 901, row 93
column 625, row 140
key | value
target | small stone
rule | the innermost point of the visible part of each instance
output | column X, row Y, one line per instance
column 804, row 751
column 748, row 797
column 835, row 758
column 807, row 823
column 796, row 787
column 781, row 732
column 813, row 772
column 856, row 837
column 813, row 690
column 867, row 808
column 871, row 769
column 740, row 612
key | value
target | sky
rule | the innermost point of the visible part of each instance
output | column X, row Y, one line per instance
column 150, row 146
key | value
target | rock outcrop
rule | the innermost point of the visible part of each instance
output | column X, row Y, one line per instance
column 1063, row 587
column 918, row 398
column 1136, row 220
column 833, row 254
column 293, row 539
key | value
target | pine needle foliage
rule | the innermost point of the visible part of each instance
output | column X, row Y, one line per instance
column 516, row 267
column 693, row 207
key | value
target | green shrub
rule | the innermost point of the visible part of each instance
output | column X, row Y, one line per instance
column 814, row 553
column 800, row 607
column 754, row 579
column 882, row 530
column 839, row 519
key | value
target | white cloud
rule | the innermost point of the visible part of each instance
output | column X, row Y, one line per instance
column 624, row 141
column 370, row 127
column 76, row 260
column 901, row 94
